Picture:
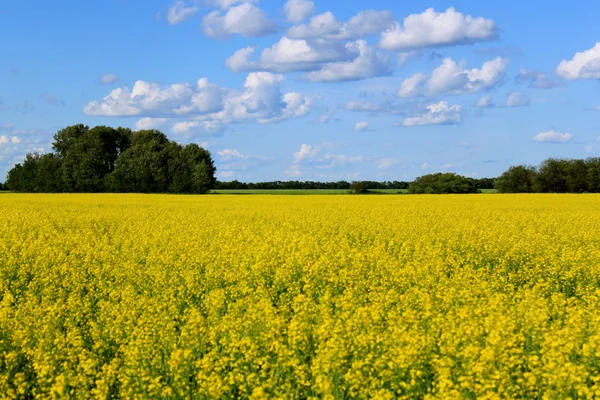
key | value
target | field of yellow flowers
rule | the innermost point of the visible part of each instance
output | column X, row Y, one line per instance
column 147, row 296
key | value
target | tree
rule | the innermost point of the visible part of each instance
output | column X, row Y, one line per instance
column 91, row 156
column 593, row 174
column 358, row 188
column 442, row 183
column 518, row 179
column 553, row 176
column 49, row 174
column 65, row 138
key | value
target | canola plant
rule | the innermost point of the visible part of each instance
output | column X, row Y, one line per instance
column 434, row 297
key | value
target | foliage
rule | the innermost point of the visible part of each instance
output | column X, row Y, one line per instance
column 358, row 188
column 518, row 179
column 553, row 176
column 442, row 183
column 104, row 159
column 436, row 297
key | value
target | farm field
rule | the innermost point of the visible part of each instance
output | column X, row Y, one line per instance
column 437, row 297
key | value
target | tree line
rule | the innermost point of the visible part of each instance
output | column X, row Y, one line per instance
column 553, row 175
column 105, row 159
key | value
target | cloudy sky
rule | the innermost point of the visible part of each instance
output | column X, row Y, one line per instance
column 320, row 90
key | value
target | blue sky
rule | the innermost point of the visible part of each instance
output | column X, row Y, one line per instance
column 320, row 90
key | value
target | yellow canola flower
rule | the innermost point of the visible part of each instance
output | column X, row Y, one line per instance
column 278, row 297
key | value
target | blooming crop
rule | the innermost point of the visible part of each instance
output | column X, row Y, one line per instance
column 143, row 296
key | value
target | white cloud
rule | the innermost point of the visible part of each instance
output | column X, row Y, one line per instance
column 553, row 137
column 298, row 10
column 9, row 140
column 7, row 127
column 244, row 19
column 485, row 102
column 424, row 165
column 517, row 100
column 452, row 79
column 205, row 106
column 435, row 29
column 290, row 55
column 306, row 151
column 369, row 63
column 327, row 26
column 362, row 126
column 448, row 166
column 229, row 154
column 189, row 129
column 225, row 4
column 387, row 163
column 108, row 79
column 584, row 65
column 537, row 79
column 436, row 114
column 149, row 123
column 179, row 12
column 325, row 118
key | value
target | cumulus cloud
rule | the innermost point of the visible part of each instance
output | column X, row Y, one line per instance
column 225, row 4
column 206, row 107
column 298, row 10
column 437, row 29
column 9, row 140
column 517, row 100
column 452, row 79
column 370, row 63
column 180, row 12
column 229, row 154
column 325, row 118
column 289, row 55
column 149, row 123
column 245, row 20
column 362, row 126
column 108, row 79
column 387, row 163
column 553, row 137
column 485, row 102
column 310, row 158
column 189, row 129
column 584, row 65
column 440, row 113
column 537, row 79
column 327, row 26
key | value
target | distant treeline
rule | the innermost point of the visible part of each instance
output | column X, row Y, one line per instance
column 105, row 159
column 485, row 183
column 309, row 185
column 553, row 176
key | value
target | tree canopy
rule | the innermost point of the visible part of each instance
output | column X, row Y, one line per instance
column 442, row 183
column 105, row 159
column 552, row 176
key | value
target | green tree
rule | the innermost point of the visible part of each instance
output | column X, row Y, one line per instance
column 518, row 179
column 553, row 176
column 593, row 174
column 92, row 156
column 442, row 183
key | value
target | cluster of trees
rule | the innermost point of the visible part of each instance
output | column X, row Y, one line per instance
column 105, row 159
column 443, row 183
column 552, row 176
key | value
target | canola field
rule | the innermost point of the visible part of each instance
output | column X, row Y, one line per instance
column 335, row 297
